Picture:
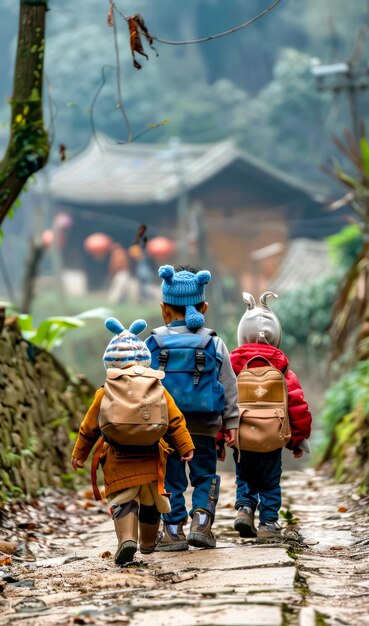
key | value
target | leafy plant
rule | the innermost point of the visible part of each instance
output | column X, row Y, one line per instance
column 288, row 516
column 305, row 315
column 345, row 246
column 351, row 309
column 348, row 394
column 346, row 424
column 51, row 331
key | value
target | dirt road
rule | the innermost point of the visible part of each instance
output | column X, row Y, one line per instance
column 318, row 576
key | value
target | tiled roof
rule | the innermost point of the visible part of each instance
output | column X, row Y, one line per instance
column 306, row 261
column 137, row 173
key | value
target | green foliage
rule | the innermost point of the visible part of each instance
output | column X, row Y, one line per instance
column 348, row 395
column 10, row 458
column 305, row 315
column 345, row 246
column 51, row 331
column 289, row 517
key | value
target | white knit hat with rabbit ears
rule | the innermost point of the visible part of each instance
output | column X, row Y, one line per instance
column 259, row 324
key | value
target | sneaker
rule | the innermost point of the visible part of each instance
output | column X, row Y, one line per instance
column 270, row 531
column 200, row 534
column 172, row 538
column 244, row 522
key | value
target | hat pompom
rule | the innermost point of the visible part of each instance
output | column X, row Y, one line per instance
column 203, row 277
column 166, row 272
column 194, row 319
column 137, row 327
column 114, row 325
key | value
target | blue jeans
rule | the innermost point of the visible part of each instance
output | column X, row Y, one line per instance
column 258, row 477
column 203, row 479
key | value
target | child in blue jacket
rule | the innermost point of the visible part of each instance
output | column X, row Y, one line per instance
column 183, row 308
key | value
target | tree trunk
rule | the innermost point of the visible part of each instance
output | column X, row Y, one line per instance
column 28, row 147
column 35, row 254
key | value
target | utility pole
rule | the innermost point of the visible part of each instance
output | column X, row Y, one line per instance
column 345, row 76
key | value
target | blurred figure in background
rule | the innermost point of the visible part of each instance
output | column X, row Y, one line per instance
column 119, row 272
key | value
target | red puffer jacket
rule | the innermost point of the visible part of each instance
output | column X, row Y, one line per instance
column 299, row 414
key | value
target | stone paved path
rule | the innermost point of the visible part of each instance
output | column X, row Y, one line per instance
column 320, row 579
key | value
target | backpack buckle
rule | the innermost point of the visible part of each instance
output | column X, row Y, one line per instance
column 200, row 364
column 163, row 358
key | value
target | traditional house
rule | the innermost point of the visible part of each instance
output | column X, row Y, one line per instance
column 223, row 207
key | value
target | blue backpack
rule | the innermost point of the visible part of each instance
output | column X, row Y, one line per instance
column 191, row 366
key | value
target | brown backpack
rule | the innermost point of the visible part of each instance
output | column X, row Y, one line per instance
column 133, row 410
column 262, row 397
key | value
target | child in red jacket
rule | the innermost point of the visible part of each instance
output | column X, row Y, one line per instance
column 258, row 474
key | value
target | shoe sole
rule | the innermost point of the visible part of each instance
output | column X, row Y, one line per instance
column 147, row 550
column 269, row 538
column 126, row 552
column 198, row 540
column 246, row 530
column 173, row 547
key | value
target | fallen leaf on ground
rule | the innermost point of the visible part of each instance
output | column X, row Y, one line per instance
column 106, row 554
column 5, row 559
column 8, row 547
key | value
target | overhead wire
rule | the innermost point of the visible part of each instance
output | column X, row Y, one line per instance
column 120, row 103
column 224, row 33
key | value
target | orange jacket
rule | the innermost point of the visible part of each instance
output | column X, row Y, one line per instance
column 121, row 471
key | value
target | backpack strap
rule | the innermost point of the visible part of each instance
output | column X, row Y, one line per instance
column 157, row 333
column 200, row 355
column 206, row 331
column 162, row 331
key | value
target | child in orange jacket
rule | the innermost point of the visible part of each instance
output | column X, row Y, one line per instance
column 134, row 482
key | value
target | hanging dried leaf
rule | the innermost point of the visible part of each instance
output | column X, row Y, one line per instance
column 136, row 43
column 142, row 26
column 137, row 27
column 62, row 152
column 110, row 17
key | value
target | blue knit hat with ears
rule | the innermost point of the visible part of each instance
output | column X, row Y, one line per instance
column 126, row 349
column 185, row 289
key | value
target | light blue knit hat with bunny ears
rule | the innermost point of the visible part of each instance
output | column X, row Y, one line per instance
column 126, row 349
column 185, row 289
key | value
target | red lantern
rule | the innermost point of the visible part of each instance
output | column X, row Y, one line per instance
column 98, row 245
column 160, row 247
column 47, row 238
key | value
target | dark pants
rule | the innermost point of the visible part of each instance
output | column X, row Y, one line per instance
column 258, row 477
column 203, row 479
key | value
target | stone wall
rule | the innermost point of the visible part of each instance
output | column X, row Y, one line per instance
column 41, row 405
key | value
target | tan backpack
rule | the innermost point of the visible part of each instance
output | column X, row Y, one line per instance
column 262, row 397
column 133, row 410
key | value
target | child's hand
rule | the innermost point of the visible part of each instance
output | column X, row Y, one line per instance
column 298, row 453
column 230, row 437
column 76, row 463
column 188, row 456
